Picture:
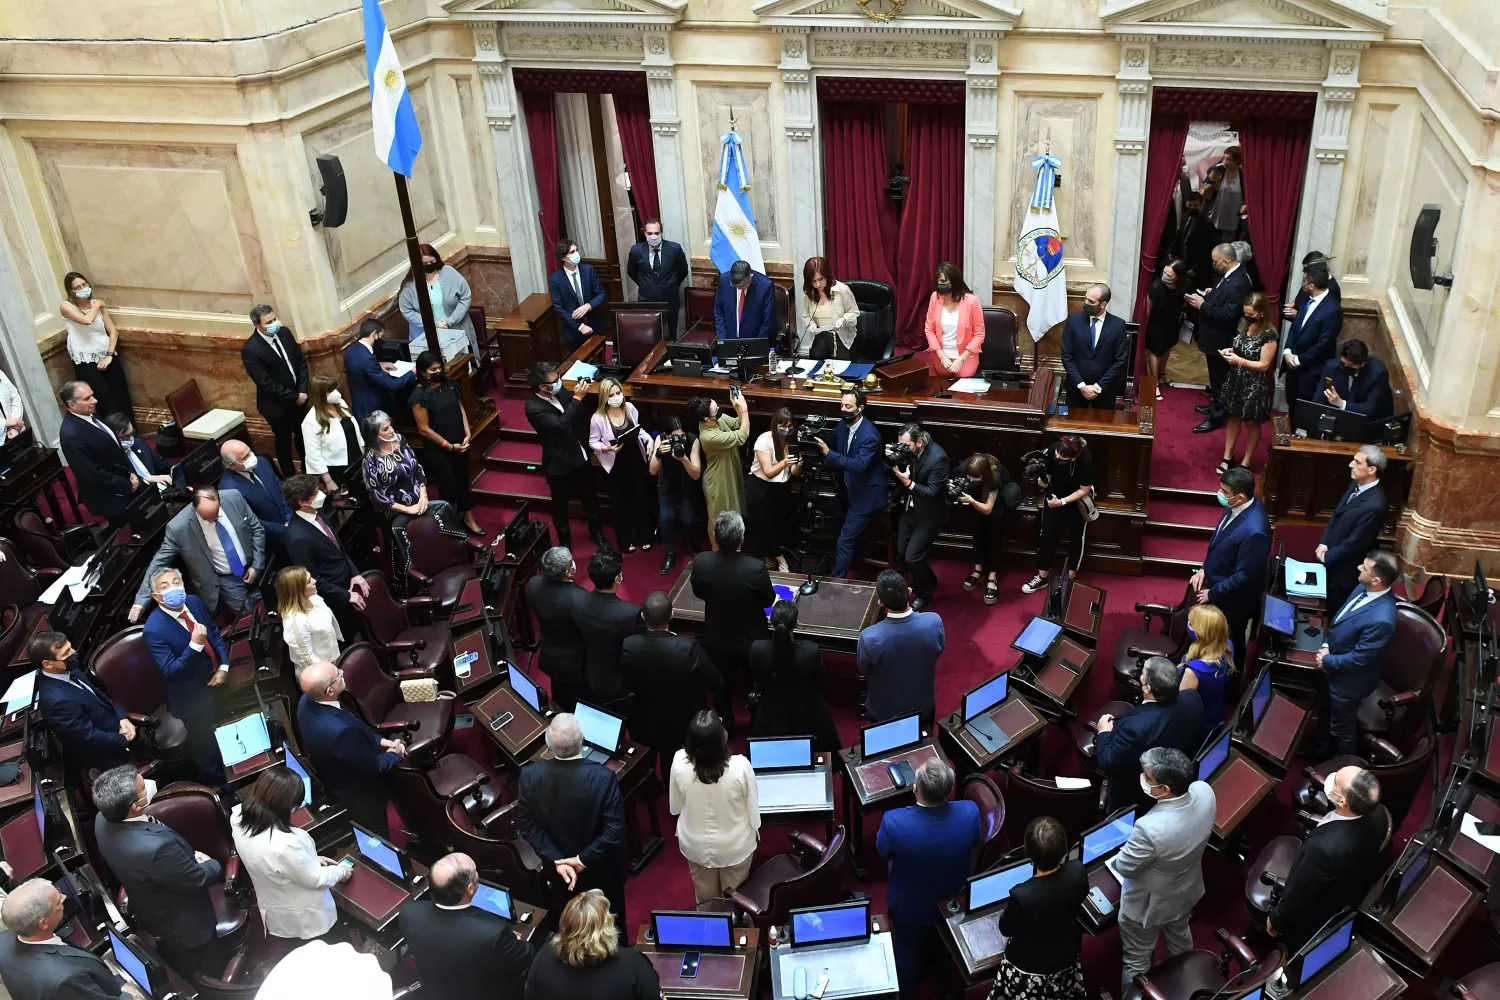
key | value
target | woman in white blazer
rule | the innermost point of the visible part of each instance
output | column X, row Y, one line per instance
column 831, row 310
column 291, row 881
column 331, row 443
column 308, row 627
column 450, row 297
column 624, row 450
column 713, row 795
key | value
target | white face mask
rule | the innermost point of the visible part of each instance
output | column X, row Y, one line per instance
column 654, row 241
column 84, row 292
column 617, row 400
column 574, row 258
column 317, row 500
column 1146, row 786
column 150, row 791
column 1334, row 799
column 251, row 462
column 336, row 398
column 390, row 438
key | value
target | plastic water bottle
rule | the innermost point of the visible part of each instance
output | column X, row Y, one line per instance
column 772, row 362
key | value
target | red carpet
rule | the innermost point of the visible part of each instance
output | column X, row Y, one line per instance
column 1185, row 460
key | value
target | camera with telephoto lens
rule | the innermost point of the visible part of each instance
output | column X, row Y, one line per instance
column 814, row 426
column 900, row 456
column 956, row 487
column 1034, row 467
column 675, row 444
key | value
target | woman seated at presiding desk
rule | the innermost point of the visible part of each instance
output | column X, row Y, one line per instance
column 713, row 792
column 832, row 314
column 586, row 961
column 308, row 626
column 1042, row 956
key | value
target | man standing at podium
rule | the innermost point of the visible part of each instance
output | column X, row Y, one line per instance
column 659, row 267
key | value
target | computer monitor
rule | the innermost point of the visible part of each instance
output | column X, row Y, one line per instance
column 782, row 753
column 379, row 852
column 1213, row 758
column 1324, row 422
column 1037, row 637
column 600, row 729
column 1260, row 699
column 986, row 696
column 524, row 686
column 1254, row 994
column 39, row 806
column 295, row 766
column 1279, row 615
column 701, row 353
column 242, row 739
column 1326, row 950
column 135, row 963
column 202, row 466
column 995, row 887
column 692, row 930
column 1414, row 870
column 827, row 924
column 749, row 350
column 887, row 736
column 494, row 898
column 1108, row 835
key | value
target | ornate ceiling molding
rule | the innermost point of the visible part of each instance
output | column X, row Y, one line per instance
column 917, row 16
column 571, row 13
column 1311, row 22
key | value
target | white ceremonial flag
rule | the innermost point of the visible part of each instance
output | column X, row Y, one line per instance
column 1040, row 277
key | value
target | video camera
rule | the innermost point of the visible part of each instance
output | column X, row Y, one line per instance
column 814, row 426
column 1034, row 467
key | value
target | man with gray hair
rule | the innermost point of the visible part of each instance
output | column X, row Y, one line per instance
column 735, row 590
column 187, row 647
column 220, row 545
column 462, row 948
column 1168, row 716
column 1355, row 525
column 553, row 596
column 100, row 466
column 571, row 812
column 1094, row 353
column 930, row 846
column 347, row 752
column 1161, row 865
column 1219, row 313
column 36, row 963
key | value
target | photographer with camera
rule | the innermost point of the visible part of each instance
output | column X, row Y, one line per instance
column 920, row 465
column 676, row 462
column 720, row 437
column 768, row 491
column 980, row 487
column 855, row 451
column 1066, row 476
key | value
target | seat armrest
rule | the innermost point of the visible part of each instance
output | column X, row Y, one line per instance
column 807, row 845
column 420, row 601
column 1399, row 700
column 745, row 903
column 418, row 576
column 142, row 721
column 405, row 645
column 415, row 674
column 475, row 546
column 396, row 727
column 231, row 868
column 1147, row 990
column 1150, row 610
column 469, row 786
column 48, row 573
column 1234, row 943
column 1385, row 752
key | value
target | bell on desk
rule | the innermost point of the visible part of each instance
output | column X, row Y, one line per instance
column 872, row 381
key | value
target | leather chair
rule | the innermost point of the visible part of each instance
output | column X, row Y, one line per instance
column 194, row 811
column 488, row 361
column 423, row 796
column 197, row 421
column 1409, row 667
column 1266, row 878
column 42, row 547
column 387, row 623
column 1433, row 597
column 1086, row 735
column 636, row 333
column 1001, row 350
column 1481, row 984
column 496, row 845
column 128, row 670
column 374, row 694
column 22, row 586
column 439, row 564
column 1400, row 775
column 13, row 633
column 699, row 307
column 1029, row 796
column 811, row 875
column 981, row 790
column 876, row 338
column 1163, row 641
column 1198, row 972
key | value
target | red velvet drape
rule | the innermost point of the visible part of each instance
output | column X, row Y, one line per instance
column 1275, row 162
column 860, row 221
column 633, row 115
column 541, row 129
column 932, row 219
column 1163, row 163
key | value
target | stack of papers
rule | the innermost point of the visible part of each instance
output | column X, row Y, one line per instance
column 402, row 367
column 970, row 385
column 1306, row 579
column 20, row 692
column 1470, row 827
column 72, row 578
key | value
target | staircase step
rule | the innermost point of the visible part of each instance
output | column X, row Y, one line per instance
column 507, row 488
column 1171, row 553
column 515, row 456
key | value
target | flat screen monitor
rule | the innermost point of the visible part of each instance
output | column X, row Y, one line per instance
column 687, row 929
column 1326, row 950
column 1107, row 837
column 600, row 729
column 1260, row 699
column 781, row 754
column 379, row 852
column 1280, row 616
column 132, row 961
column 1324, row 422
column 1037, row 637
column 986, row 696
column 39, row 806
column 1213, row 758
column 887, row 736
column 525, row 687
column 1254, row 994
column 732, row 349
column 295, row 766
column 1414, row 870
column 242, row 739
column 826, row 924
column 202, row 466
column 494, row 899
column 995, row 887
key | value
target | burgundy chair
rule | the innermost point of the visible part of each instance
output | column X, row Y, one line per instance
column 981, row 790
column 636, row 333
column 1400, row 775
column 810, row 875
column 128, row 670
column 22, row 586
column 422, row 796
column 784, row 332
column 1164, row 641
column 13, row 633
column 496, row 845
column 387, row 623
column 42, row 547
column 376, row 696
column 440, row 563
column 1481, row 984
column 488, row 360
column 1028, row 796
column 1433, row 597
column 194, row 811
column 1086, row 735
column 1266, row 878
column 1198, row 972
column 699, row 308
column 1409, row 667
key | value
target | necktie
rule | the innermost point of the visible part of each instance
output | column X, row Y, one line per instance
column 739, row 313
column 281, row 353
column 208, row 647
column 1095, row 325
column 577, row 289
column 324, row 527
column 1351, row 605
column 236, row 564
column 136, row 463
column 655, row 259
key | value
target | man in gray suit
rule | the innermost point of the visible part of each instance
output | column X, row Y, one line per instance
column 1161, row 865
column 37, row 964
column 221, row 547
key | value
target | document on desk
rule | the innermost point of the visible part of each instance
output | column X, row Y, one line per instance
column 1110, row 864
column 1470, row 828
column 1306, row 579
column 580, row 369
column 861, row 968
column 1063, row 781
column 970, row 385
column 20, row 692
column 806, row 789
column 71, row 577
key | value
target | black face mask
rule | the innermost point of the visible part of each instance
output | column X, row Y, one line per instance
column 74, row 662
column 944, row 287
column 849, row 418
column 437, row 377
column 432, row 267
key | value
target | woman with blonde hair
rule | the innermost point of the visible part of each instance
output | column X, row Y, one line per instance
column 330, row 437
column 1209, row 661
column 586, row 960
column 624, row 449
column 308, row 627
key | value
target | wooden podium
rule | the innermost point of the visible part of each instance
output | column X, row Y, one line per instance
column 530, row 333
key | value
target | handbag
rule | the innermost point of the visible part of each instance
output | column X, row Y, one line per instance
column 419, row 690
column 1088, row 508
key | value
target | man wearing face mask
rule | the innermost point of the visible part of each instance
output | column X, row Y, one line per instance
column 438, row 408
column 659, row 267
column 255, row 480
column 373, row 384
column 1093, row 353
column 319, row 550
column 554, row 413
column 94, row 733
column 166, row 879
column 577, row 295
column 856, row 452
column 149, row 466
column 37, row 964
column 1219, row 313
column 274, row 361
column 1233, row 575
column 187, row 646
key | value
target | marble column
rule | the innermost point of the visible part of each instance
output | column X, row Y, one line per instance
column 1132, row 129
column 981, row 125
column 22, row 359
column 804, row 174
column 1325, row 168
column 502, row 108
column 666, row 143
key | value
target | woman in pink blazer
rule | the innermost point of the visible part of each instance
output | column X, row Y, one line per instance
column 955, row 326
column 621, row 445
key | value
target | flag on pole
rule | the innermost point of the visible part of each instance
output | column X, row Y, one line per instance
column 397, row 138
column 1040, row 277
column 734, row 236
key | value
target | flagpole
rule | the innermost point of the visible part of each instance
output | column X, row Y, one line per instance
column 414, row 251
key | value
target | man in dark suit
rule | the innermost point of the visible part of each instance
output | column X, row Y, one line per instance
column 1094, row 349
column 552, row 595
column 856, row 453
column 1315, row 330
column 462, row 951
column 373, row 384
column 554, row 413
column 185, row 643
column 1337, row 860
column 659, row 267
column 1361, row 383
column 1352, row 649
column 167, row 880
column 671, row 677
column 257, row 483
column 930, row 846
column 1233, row 575
column 1313, row 258
column 93, row 732
column 1168, row 716
column 1219, row 313
column 604, row 620
column 345, row 750
column 148, row 464
column 100, row 467
column 744, row 304
column 1355, row 525
column 898, row 655
column 572, row 814
column 577, row 295
column 319, row 550
column 1195, row 239
column 735, row 590
column 273, row 359
column 924, row 509
column 37, row 964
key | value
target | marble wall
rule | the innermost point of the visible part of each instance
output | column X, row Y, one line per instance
column 1072, row 125
column 750, row 108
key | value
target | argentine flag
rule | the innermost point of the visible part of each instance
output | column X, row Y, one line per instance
column 734, row 235
column 397, row 138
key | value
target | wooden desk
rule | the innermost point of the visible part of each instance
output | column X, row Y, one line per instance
column 974, row 940
column 1239, row 786
column 327, row 824
column 1015, row 716
column 634, row 769
column 721, row 974
column 868, row 788
column 517, row 739
column 816, row 959
column 372, row 897
column 531, row 332
column 1099, row 877
column 1467, row 854
column 483, row 672
column 1360, row 975
column 1275, row 740
column 833, row 617
column 780, row 804
column 1084, row 615
column 1305, row 479
column 1062, row 673
column 29, row 470
column 1414, row 932
column 21, row 840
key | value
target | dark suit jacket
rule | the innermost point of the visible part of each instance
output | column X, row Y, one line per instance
column 562, row 451
column 1355, row 643
column 1195, row 245
column 929, row 486
column 863, row 468
column 53, row 972
column 1118, row 752
column 759, row 319
column 665, row 283
column 99, row 465
column 604, row 620
column 168, row 887
column 899, row 656
column 561, row 651
column 327, row 561
column 791, row 702
column 1103, row 365
column 573, row 808
column 86, row 723
column 371, row 387
column 1367, row 393
column 1351, row 533
column 186, row 671
column 151, row 459
column 345, row 752
column 262, row 491
column 467, row 953
column 1332, row 870
column 931, row 854
column 1041, row 919
column 1222, row 310
column 735, row 590
column 565, row 301
column 671, row 677
column 1235, row 564
column 1334, row 292
column 1313, row 339
column 276, row 386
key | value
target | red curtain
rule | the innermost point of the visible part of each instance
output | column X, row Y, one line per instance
column 1275, row 162
column 1163, row 163
column 860, row 221
column 634, row 117
column 541, row 129
column 932, row 218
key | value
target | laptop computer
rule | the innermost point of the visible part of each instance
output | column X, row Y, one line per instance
column 493, row 897
column 1318, row 957
column 1212, row 757
column 1260, row 700
column 1108, row 836
column 692, row 930
column 601, row 731
column 384, row 856
column 822, row 925
column 525, row 687
column 781, row 753
column 147, row 973
column 296, row 767
column 976, row 708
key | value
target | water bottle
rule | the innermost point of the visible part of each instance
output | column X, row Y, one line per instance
column 772, row 362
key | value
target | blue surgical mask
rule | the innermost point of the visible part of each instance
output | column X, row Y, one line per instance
column 574, row 258
column 273, row 327
column 556, row 386
column 1223, row 500
column 173, row 597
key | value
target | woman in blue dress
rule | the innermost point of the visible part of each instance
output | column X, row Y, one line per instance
column 1209, row 662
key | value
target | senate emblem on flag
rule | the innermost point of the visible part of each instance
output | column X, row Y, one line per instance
column 1039, row 256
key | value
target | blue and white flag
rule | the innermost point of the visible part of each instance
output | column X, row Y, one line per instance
column 397, row 138
column 1040, row 277
column 734, row 236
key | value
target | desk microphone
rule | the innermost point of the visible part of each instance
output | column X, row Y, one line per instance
column 809, row 586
